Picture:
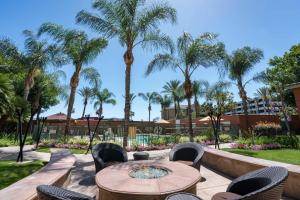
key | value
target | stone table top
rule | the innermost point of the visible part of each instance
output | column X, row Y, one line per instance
column 116, row 179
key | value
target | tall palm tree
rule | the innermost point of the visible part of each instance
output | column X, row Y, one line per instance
column 134, row 23
column 199, row 89
column 103, row 97
column 165, row 102
column 150, row 98
column 239, row 64
column 172, row 88
column 81, row 51
column 264, row 94
column 37, row 55
column 203, row 51
column 86, row 93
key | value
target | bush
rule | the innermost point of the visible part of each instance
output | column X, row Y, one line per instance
column 225, row 138
column 267, row 128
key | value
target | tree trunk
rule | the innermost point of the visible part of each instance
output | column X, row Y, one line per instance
column 28, row 83
column 188, row 95
column 84, row 107
column 175, row 109
column 243, row 96
column 100, row 110
column 190, row 119
column 197, row 107
column 149, row 112
column 285, row 116
column 128, row 59
column 73, row 83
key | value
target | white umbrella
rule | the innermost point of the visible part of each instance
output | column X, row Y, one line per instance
column 205, row 119
column 162, row 121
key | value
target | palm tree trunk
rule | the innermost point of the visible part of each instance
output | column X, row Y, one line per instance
column 100, row 110
column 197, row 107
column 84, row 107
column 190, row 119
column 149, row 112
column 128, row 59
column 243, row 96
column 73, row 83
column 28, row 83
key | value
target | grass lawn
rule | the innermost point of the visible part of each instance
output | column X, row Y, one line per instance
column 11, row 172
column 74, row 151
column 291, row 156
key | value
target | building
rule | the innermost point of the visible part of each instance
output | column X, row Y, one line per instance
column 257, row 106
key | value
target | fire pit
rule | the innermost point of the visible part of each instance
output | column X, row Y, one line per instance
column 146, row 180
column 149, row 172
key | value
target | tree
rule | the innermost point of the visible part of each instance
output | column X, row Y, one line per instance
column 264, row 94
column 278, row 77
column 172, row 88
column 134, row 23
column 165, row 102
column 203, row 51
column 103, row 97
column 81, row 51
column 199, row 89
column 219, row 102
column 87, row 93
column 238, row 65
column 6, row 95
column 38, row 54
column 150, row 98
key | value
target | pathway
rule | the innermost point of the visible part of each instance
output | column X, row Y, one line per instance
column 11, row 153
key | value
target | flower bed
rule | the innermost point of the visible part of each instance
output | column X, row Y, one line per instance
column 256, row 147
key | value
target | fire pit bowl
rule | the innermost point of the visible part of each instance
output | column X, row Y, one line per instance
column 149, row 172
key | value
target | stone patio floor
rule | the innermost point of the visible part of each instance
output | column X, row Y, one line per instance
column 83, row 174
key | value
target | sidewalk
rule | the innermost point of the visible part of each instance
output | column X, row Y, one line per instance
column 11, row 153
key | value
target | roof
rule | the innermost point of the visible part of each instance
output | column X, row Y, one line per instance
column 57, row 116
column 293, row 86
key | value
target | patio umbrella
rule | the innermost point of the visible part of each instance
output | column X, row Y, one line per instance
column 162, row 121
column 205, row 119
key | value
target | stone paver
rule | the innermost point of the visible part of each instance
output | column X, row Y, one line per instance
column 11, row 153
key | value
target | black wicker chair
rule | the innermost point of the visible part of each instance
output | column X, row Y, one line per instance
column 266, row 183
column 47, row 192
column 189, row 151
column 106, row 154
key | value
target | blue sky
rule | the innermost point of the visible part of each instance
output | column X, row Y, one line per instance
column 270, row 25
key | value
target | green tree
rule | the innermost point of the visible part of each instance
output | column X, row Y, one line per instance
column 203, row 51
column 37, row 55
column 165, row 102
column 199, row 89
column 134, row 23
column 277, row 78
column 219, row 101
column 103, row 97
column 264, row 94
column 173, row 88
column 238, row 65
column 86, row 93
column 6, row 95
column 150, row 98
column 81, row 51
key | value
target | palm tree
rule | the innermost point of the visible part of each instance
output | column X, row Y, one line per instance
column 165, row 102
column 103, row 97
column 81, row 51
column 150, row 97
column 239, row 65
column 264, row 94
column 192, row 53
column 199, row 89
column 134, row 23
column 37, row 55
column 172, row 88
column 87, row 93
column 6, row 94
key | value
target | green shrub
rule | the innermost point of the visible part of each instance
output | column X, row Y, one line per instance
column 184, row 139
column 225, row 138
column 267, row 128
column 287, row 141
column 209, row 133
column 201, row 138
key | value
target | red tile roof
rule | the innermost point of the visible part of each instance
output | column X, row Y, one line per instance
column 57, row 116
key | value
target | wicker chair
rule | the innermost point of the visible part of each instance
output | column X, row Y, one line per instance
column 106, row 154
column 266, row 183
column 189, row 151
column 47, row 192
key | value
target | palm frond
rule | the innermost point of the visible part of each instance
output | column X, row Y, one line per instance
column 162, row 61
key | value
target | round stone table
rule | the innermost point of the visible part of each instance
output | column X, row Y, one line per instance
column 114, row 182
